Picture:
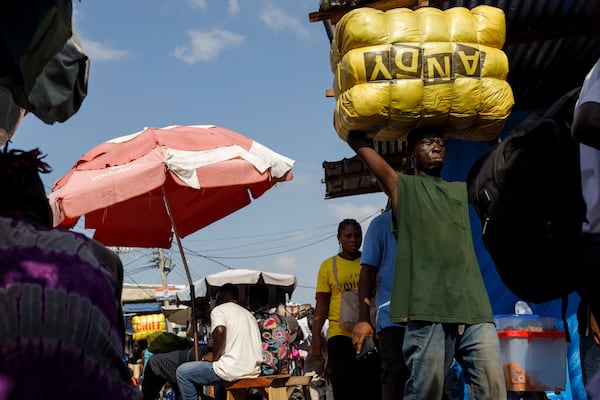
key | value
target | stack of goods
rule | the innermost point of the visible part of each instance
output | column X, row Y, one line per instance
column 402, row 69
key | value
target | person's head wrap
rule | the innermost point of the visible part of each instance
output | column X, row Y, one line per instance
column 22, row 188
column 418, row 134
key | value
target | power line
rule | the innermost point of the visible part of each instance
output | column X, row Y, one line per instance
column 269, row 251
column 278, row 234
column 286, row 242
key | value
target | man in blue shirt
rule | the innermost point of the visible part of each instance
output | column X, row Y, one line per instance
column 378, row 262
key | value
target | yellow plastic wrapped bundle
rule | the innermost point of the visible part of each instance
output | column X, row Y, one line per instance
column 401, row 69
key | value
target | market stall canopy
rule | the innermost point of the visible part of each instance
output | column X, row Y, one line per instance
column 178, row 314
column 148, row 187
column 203, row 287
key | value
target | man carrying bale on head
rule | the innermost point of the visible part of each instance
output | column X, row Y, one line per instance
column 438, row 290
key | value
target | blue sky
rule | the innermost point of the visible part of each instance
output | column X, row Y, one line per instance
column 258, row 67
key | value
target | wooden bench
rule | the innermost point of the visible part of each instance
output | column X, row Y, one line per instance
column 273, row 387
column 299, row 380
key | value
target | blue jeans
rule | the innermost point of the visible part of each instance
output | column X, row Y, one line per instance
column 191, row 376
column 429, row 348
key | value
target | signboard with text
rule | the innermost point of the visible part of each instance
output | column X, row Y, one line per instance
column 166, row 293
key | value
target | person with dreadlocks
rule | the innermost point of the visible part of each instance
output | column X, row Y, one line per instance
column 61, row 325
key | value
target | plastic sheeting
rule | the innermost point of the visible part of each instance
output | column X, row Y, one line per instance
column 43, row 63
column 11, row 116
column 401, row 69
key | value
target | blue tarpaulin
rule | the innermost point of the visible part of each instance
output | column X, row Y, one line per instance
column 133, row 308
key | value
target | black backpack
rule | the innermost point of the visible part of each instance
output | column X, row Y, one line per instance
column 527, row 193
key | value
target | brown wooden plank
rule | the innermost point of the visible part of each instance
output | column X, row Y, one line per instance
column 260, row 381
column 298, row 380
column 277, row 393
column 240, row 394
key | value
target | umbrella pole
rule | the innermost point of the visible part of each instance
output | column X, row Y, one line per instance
column 187, row 273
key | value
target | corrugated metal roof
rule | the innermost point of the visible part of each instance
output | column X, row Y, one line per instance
column 550, row 45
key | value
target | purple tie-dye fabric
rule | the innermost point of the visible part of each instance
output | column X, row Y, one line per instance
column 59, row 312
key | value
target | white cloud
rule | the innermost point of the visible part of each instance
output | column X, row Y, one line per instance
column 94, row 49
column 76, row 16
column 234, row 6
column 201, row 4
column 98, row 51
column 278, row 20
column 286, row 262
column 206, row 46
column 304, row 185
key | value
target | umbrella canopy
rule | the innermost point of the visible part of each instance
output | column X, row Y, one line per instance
column 124, row 187
column 239, row 277
column 142, row 189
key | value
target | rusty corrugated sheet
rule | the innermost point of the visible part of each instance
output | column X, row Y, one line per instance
column 350, row 177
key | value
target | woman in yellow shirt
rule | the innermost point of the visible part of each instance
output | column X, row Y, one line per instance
column 350, row 378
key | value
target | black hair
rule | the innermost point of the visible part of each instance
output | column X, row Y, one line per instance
column 232, row 290
column 17, row 166
column 258, row 295
column 349, row 222
column 421, row 133
column 19, row 175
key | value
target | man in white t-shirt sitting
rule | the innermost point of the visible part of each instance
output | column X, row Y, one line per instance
column 236, row 348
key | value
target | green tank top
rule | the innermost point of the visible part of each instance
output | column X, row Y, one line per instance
column 437, row 277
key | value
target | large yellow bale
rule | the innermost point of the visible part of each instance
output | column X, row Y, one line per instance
column 401, row 69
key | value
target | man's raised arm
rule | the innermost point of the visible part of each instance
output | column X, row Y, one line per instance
column 381, row 170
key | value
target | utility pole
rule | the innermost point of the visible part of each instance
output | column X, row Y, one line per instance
column 164, row 265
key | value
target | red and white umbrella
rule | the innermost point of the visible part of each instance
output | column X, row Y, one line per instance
column 136, row 190
column 143, row 189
